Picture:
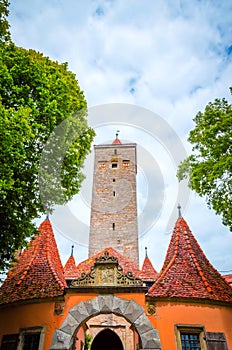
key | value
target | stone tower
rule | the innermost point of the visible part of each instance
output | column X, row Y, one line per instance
column 113, row 221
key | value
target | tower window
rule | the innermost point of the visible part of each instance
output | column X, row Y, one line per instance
column 115, row 151
column 113, row 180
column 113, row 226
column 114, row 165
column 102, row 165
column 125, row 163
column 114, row 194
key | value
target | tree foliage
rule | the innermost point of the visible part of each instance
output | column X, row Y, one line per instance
column 209, row 168
column 37, row 95
column 4, row 25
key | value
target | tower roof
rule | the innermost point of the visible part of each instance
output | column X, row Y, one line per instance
column 70, row 268
column 148, row 271
column 38, row 273
column 187, row 273
column 116, row 140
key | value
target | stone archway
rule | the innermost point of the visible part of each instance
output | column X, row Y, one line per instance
column 104, row 338
column 132, row 311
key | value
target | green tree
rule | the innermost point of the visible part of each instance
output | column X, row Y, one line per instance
column 4, row 25
column 209, row 168
column 37, row 95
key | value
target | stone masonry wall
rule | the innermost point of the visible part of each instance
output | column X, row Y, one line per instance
column 114, row 207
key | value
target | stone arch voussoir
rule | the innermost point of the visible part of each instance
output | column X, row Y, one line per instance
column 102, row 304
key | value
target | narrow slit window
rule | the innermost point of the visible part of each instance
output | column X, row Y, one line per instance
column 113, row 226
column 114, row 194
column 113, row 180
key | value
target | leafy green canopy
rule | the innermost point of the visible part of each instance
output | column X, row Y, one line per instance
column 210, row 167
column 4, row 25
column 36, row 96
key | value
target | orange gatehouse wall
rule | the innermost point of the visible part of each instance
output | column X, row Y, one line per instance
column 35, row 314
column 214, row 318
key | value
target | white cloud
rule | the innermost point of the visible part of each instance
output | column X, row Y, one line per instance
column 171, row 57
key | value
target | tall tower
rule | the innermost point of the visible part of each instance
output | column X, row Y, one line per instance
column 113, row 219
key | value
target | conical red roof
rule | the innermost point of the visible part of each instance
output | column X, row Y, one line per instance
column 148, row 271
column 228, row 279
column 116, row 141
column 70, row 268
column 38, row 272
column 187, row 273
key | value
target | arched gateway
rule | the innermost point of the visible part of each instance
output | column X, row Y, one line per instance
column 104, row 304
column 104, row 339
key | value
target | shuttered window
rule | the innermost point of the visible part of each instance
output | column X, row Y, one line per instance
column 10, row 342
column 216, row 341
column 31, row 341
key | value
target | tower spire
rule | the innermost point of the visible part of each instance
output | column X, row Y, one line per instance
column 179, row 211
column 116, row 141
column 72, row 250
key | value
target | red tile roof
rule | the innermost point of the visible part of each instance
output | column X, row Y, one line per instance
column 187, row 273
column 70, row 269
column 126, row 264
column 148, row 271
column 116, row 142
column 38, row 272
column 228, row 279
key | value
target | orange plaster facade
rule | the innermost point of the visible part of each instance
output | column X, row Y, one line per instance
column 41, row 314
column 214, row 318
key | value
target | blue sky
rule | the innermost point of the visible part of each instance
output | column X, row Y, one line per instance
column 167, row 57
